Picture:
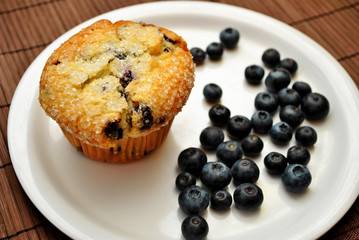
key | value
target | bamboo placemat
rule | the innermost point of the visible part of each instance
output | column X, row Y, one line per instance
column 28, row 26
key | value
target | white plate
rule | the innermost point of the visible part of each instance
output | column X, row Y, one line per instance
column 91, row 200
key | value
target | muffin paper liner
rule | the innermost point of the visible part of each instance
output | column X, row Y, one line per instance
column 128, row 150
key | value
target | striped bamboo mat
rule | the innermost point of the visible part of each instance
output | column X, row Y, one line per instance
column 28, row 26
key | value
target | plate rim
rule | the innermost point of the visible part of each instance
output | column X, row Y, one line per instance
column 40, row 203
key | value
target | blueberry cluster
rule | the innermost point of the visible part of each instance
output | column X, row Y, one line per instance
column 215, row 178
column 294, row 105
column 228, row 37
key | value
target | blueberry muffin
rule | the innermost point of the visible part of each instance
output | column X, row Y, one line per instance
column 115, row 88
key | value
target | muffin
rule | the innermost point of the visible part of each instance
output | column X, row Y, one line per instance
column 115, row 88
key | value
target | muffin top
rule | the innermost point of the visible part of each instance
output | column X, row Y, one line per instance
column 116, row 80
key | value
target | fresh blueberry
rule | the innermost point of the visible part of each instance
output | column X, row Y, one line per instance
column 275, row 162
column 215, row 50
column 266, row 101
column 194, row 227
column 288, row 96
column 212, row 92
column 193, row 200
column 306, row 136
column 315, row 106
column 302, row 88
column 252, row 145
column 192, row 160
column 211, row 137
column 215, row 175
column 185, row 179
column 296, row 178
column 254, row 74
column 221, row 200
column 289, row 64
column 281, row 133
column 271, row 57
column 245, row 171
column 298, row 154
column 292, row 115
column 239, row 126
column 229, row 152
column 248, row 196
column 229, row 37
column 198, row 55
column 277, row 79
column 261, row 121
column 219, row 114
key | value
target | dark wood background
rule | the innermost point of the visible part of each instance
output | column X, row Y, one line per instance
column 29, row 26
